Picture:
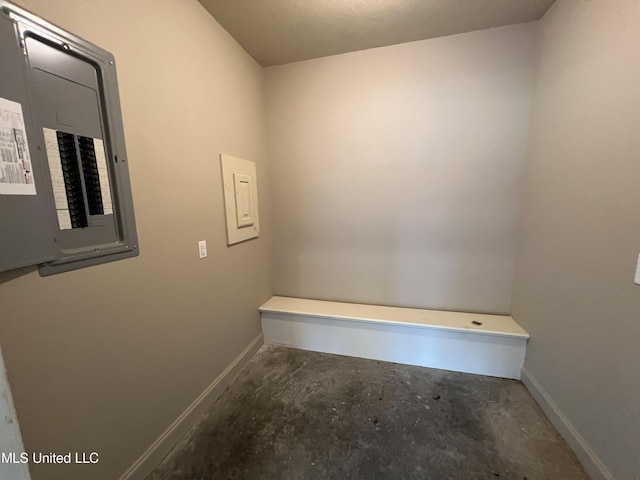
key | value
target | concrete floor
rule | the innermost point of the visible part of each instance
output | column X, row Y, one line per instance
column 293, row 414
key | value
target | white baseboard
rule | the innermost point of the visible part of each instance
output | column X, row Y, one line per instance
column 494, row 345
column 589, row 459
column 163, row 445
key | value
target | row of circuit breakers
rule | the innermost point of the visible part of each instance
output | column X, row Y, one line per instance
column 65, row 196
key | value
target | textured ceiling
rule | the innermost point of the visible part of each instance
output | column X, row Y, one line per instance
column 275, row 32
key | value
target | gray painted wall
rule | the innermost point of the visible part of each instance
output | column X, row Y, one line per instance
column 105, row 359
column 396, row 171
column 574, row 289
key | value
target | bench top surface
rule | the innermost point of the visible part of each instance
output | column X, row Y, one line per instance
column 502, row 325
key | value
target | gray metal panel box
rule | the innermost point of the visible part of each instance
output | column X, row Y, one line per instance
column 26, row 234
column 73, row 95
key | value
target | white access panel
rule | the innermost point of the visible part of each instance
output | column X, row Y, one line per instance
column 240, row 198
column 244, row 209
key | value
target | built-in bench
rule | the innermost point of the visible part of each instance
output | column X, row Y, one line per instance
column 484, row 344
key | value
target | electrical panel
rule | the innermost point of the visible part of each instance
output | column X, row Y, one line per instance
column 65, row 195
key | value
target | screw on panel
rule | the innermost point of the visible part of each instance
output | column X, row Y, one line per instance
column 66, row 46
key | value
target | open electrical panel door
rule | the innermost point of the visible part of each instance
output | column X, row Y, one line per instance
column 65, row 195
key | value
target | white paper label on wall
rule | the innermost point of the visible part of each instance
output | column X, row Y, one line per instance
column 57, row 178
column 103, row 174
column 16, row 172
column 637, row 280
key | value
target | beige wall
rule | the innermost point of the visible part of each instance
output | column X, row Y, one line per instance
column 574, row 289
column 105, row 359
column 396, row 176
column 396, row 171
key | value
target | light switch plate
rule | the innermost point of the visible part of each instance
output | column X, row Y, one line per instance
column 637, row 280
column 240, row 187
column 202, row 248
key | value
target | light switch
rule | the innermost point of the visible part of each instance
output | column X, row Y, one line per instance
column 202, row 248
column 638, row 271
column 242, row 187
